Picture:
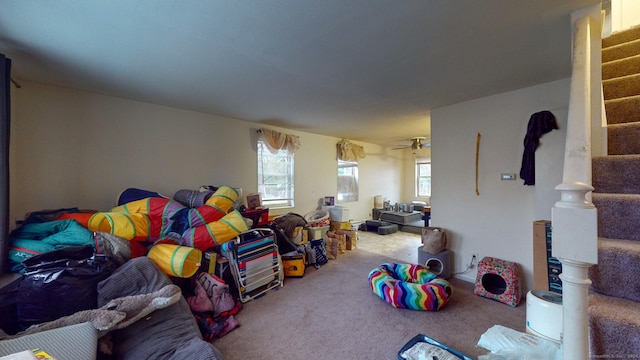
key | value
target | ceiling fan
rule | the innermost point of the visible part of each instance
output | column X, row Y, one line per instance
column 416, row 143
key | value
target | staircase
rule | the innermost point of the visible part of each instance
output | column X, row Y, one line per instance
column 614, row 297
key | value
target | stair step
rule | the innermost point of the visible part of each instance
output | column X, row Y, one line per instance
column 621, row 51
column 621, row 87
column 623, row 110
column 614, row 327
column 617, row 174
column 620, row 37
column 616, row 258
column 622, row 67
column 623, row 139
column 618, row 215
column 614, row 296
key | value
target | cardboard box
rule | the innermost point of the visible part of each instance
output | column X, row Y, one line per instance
column 351, row 236
column 352, row 240
column 341, row 225
column 546, row 268
column 540, row 271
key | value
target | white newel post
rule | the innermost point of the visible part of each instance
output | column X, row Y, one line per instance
column 574, row 218
column 575, row 244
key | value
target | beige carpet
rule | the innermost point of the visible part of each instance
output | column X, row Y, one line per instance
column 331, row 313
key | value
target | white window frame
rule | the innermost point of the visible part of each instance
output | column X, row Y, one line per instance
column 422, row 161
column 284, row 160
column 344, row 193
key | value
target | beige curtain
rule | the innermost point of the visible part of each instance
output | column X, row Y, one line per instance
column 277, row 141
column 348, row 151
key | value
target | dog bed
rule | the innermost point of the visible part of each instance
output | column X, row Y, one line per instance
column 410, row 286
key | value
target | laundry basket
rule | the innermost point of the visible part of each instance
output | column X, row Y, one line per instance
column 317, row 218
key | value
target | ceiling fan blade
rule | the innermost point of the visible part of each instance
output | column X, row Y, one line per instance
column 416, row 143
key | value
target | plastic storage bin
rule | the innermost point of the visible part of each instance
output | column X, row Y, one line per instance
column 316, row 233
column 339, row 213
column 425, row 339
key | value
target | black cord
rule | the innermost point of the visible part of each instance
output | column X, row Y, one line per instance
column 468, row 266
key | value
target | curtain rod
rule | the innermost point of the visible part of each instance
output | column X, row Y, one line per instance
column 15, row 83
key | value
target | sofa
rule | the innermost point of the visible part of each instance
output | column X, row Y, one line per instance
column 170, row 332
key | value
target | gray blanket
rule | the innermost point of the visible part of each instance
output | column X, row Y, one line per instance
column 170, row 333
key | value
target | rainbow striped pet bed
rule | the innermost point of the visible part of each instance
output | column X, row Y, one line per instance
column 410, row 286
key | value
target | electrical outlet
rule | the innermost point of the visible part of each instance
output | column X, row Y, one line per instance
column 475, row 258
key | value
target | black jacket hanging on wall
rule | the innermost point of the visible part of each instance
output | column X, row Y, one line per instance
column 540, row 123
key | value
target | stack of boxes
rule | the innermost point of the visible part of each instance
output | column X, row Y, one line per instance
column 341, row 225
column 338, row 229
column 546, row 268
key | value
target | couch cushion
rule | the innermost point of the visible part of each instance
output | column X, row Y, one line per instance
column 170, row 333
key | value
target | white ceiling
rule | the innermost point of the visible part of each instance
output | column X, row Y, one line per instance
column 367, row 70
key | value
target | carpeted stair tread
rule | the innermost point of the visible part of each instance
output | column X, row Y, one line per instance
column 624, row 110
column 620, row 87
column 621, row 51
column 617, row 257
column 622, row 67
column 616, row 174
column 618, row 215
column 614, row 327
column 620, row 37
column 614, row 307
column 623, row 139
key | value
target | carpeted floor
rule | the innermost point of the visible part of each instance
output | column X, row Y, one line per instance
column 331, row 313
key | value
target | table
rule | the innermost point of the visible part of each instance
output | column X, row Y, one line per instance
column 260, row 217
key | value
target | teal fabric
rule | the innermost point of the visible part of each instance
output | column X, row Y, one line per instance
column 37, row 238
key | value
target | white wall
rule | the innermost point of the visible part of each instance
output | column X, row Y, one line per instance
column 498, row 222
column 624, row 14
column 409, row 187
column 381, row 173
column 71, row 148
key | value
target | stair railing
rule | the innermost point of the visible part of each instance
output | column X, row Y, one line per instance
column 574, row 217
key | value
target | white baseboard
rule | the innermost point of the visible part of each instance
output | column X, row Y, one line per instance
column 470, row 277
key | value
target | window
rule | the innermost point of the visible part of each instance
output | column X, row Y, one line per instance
column 347, row 180
column 275, row 177
column 423, row 178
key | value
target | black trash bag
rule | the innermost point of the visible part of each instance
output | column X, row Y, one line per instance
column 9, row 307
column 59, row 283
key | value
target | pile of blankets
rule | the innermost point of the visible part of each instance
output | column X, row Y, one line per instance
column 208, row 220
